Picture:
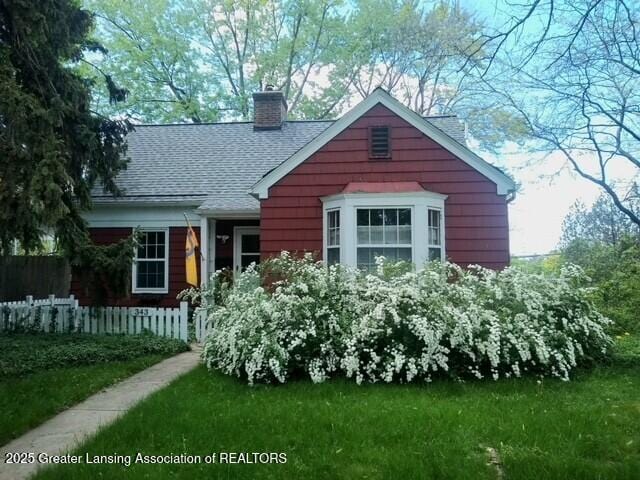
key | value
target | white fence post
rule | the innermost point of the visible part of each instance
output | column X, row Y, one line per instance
column 200, row 321
column 184, row 318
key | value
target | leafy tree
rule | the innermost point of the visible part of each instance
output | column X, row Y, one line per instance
column 572, row 71
column 54, row 149
column 602, row 223
column 606, row 244
column 200, row 60
column 150, row 45
column 416, row 51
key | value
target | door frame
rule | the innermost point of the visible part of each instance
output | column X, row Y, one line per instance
column 237, row 243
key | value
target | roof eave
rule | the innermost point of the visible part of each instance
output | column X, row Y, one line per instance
column 232, row 214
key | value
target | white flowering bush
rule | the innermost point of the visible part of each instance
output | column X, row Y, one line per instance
column 295, row 317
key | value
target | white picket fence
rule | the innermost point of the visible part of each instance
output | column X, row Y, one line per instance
column 51, row 301
column 48, row 316
column 201, row 324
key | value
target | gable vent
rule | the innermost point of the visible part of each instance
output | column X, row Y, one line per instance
column 380, row 142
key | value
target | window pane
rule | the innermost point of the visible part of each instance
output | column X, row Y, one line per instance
column 435, row 232
column 150, row 274
column 363, row 217
column 397, row 254
column 404, row 235
column 434, row 236
column 404, row 216
column 333, row 227
column 152, row 245
column 333, row 256
column 363, row 235
column 376, row 216
column 434, row 218
column 364, row 256
column 376, row 235
column 250, row 243
column 435, row 254
column 390, row 234
column 404, row 254
column 376, row 252
column 246, row 260
column 390, row 216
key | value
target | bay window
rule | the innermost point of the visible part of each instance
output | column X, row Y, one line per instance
column 401, row 226
column 151, row 263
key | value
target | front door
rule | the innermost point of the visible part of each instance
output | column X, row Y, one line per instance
column 246, row 247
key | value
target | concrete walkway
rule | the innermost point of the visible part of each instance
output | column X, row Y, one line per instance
column 68, row 429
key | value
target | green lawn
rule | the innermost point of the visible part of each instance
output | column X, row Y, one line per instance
column 585, row 429
column 28, row 401
column 41, row 375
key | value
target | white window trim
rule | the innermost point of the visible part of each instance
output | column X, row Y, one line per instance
column 418, row 202
column 134, row 268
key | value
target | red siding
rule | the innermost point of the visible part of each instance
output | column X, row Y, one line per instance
column 476, row 219
column 177, row 278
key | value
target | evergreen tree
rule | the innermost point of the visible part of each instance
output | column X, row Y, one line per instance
column 53, row 148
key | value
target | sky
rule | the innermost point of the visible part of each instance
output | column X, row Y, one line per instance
column 548, row 186
column 548, row 190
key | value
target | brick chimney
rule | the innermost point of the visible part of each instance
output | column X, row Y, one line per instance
column 269, row 109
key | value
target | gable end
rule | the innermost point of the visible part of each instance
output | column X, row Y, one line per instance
column 503, row 182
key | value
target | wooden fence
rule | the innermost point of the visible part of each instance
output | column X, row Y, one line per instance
column 70, row 318
column 51, row 301
column 33, row 275
column 201, row 324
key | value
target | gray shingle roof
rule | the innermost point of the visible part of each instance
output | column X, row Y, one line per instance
column 214, row 165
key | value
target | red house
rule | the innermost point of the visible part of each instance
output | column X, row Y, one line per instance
column 381, row 180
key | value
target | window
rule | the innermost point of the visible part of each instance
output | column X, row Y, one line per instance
column 333, row 237
column 401, row 226
column 434, row 234
column 380, row 142
column 246, row 248
column 151, row 268
column 383, row 232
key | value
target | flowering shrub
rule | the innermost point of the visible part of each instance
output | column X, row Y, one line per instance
column 291, row 317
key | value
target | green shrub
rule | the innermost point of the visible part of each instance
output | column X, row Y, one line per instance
column 21, row 354
column 615, row 272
